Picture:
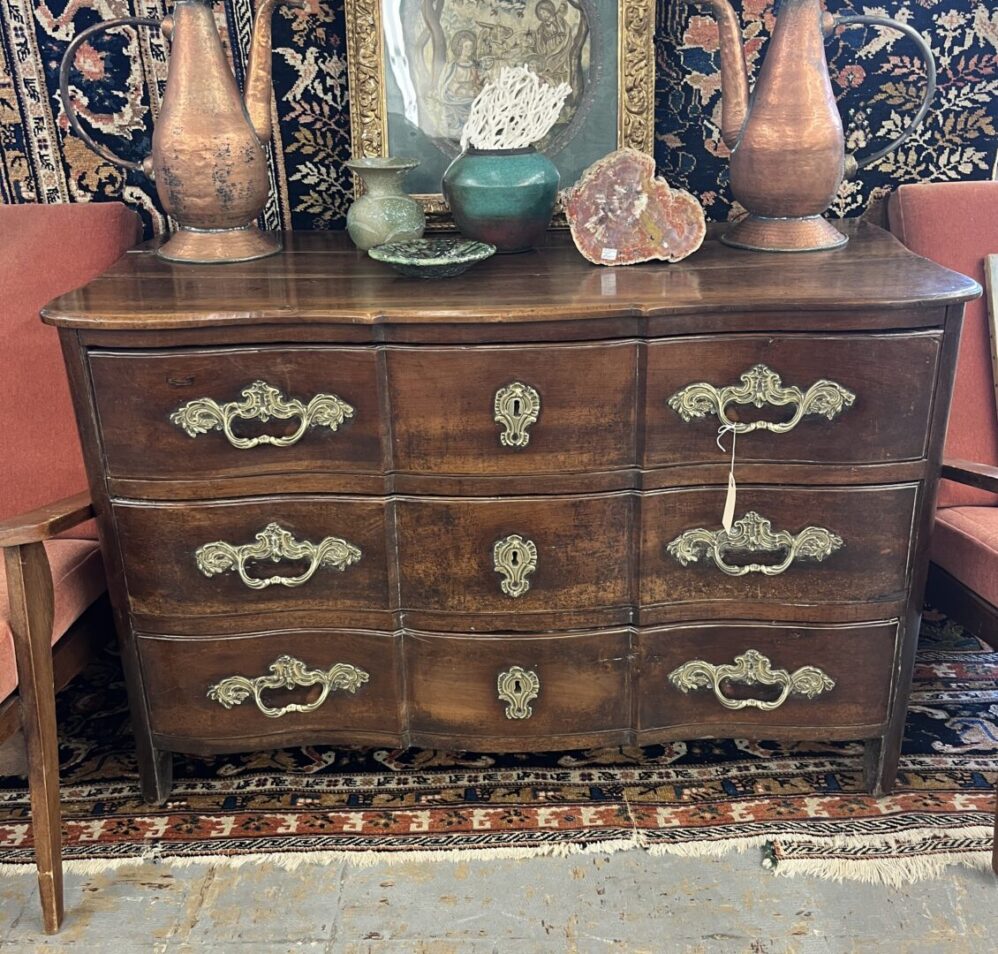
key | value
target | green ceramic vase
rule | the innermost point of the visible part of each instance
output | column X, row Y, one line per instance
column 502, row 196
column 384, row 213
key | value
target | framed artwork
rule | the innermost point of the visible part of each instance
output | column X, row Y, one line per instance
column 415, row 66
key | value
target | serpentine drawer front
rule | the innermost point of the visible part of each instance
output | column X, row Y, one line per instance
column 238, row 411
column 806, row 545
column 279, row 686
column 767, row 676
column 809, row 398
column 513, row 693
column 514, row 410
column 322, row 556
column 518, row 556
column 485, row 514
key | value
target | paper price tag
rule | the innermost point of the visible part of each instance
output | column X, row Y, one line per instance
column 609, row 255
column 728, row 517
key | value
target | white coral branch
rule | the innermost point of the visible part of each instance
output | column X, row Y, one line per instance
column 514, row 111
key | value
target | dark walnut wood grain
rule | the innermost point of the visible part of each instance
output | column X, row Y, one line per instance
column 887, row 380
column 419, row 479
column 447, row 570
column 322, row 276
column 165, row 583
column 582, row 693
column 137, row 392
column 869, row 565
column 855, row 704
column 182, row 670
column 443, row 416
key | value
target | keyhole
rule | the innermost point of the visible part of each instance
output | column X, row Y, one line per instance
column 516, row 407
column 516, row 686
column 514, row 557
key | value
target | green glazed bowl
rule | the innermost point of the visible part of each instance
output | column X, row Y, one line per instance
column 432, row 258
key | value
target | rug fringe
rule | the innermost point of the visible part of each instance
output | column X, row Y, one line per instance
column 715, row 848
column 362, row 859
column 894, row 871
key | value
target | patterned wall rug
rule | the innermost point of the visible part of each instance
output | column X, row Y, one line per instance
column 119, row 79
column 803, row 805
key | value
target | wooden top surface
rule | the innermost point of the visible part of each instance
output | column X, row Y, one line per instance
column 320, row 277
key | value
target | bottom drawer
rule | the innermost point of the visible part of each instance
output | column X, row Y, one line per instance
column 519, row 693
column 265, row 690
column 720, row 679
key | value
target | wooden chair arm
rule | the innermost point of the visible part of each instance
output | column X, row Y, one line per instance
column 45, row 522
column 981, row 476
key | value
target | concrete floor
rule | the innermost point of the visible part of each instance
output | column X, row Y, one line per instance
column 628, row 901
column 590, row 903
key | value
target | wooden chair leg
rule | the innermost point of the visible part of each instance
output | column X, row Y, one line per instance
column 994, row 852
column 29, row 587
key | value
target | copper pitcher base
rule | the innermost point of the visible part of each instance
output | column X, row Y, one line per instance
column 215, row 246
column 809, row 233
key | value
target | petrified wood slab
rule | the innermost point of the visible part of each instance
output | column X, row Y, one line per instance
column 620, row 213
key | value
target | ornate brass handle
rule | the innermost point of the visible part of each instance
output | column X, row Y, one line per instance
column 760, row 386
column 518, row 687
column 286, row 672
column 751, row 668
column 514, row 558
column 517, row 406
column 262, row 403
column 274, row 543
column 754, row 534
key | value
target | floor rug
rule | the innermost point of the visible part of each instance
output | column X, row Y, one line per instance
column 802, row 804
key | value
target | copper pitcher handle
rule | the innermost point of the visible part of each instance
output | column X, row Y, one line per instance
column 74, row 122
column 831, row 23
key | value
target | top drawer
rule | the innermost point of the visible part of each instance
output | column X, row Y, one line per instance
column 238, row 411
column 512, row 410
column 859, row 399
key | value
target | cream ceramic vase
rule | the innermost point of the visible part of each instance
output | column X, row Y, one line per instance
column 384, row 213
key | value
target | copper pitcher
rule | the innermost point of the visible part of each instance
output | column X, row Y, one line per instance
column 208, row 157
column 787, row 148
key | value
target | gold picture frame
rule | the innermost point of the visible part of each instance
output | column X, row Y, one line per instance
column 369, row 114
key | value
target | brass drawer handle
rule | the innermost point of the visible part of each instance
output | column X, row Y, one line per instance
column 518, row 687
column 262, row 403
column 274, row 543
column 753, row 534
column 286, row 672
column 760, row 385
column 517, row 406
column 514, row 558
column 751, row 668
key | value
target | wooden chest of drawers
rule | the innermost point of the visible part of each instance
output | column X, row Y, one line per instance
column 338, row 505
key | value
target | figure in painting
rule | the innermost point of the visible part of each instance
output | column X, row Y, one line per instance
column 460, row 82
column 459, row 45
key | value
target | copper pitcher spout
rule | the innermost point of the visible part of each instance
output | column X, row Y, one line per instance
column 734, row 75
column 258, row 72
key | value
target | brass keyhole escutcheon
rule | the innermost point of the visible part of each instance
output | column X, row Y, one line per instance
column 514, row 558
column 518, row 687
column 516, row 407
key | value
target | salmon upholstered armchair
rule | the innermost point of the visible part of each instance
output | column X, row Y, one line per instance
column 956, row 224
column 51, row 576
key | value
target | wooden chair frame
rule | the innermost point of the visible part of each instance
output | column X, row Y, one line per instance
column 41, row 672
column 945, row 591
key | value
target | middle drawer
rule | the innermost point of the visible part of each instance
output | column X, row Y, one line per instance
column 322, row 559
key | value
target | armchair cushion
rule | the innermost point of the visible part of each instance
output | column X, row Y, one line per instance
column 45, row 251
column 965, row 544
column 77, row 580
column 953, row 223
